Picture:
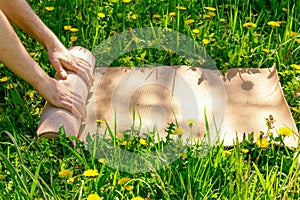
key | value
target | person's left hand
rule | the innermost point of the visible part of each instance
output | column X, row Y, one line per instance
column 61, row 59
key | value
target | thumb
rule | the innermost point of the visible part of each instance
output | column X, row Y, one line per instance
column 59, row 69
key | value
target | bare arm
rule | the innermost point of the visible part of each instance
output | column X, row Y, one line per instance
column 21, row 14
column 15, row 57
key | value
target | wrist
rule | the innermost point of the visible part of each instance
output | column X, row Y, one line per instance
column 51, row 43
column 41, row 80
column 44, row 86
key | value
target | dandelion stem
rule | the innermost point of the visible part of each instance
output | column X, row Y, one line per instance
column 270, row 38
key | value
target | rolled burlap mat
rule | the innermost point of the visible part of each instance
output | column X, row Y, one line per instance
column 53, row 118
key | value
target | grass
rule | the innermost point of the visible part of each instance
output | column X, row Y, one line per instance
column 34, row 169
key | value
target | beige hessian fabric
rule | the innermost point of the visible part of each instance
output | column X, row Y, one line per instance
column 232, row 104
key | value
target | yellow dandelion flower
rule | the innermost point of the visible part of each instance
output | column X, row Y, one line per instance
column 134, row 16
column 67, row 27
column 210, row 8
column 249, row 25
column 37, row 111
column 138, row 198
column 245, row 150
column 227, row 153
column 73, row 38
column 298, row 41
column 182, row 155
column 101, row 160
column 11, row 85
column 101, row 15
column 191, row 121
column 100, row 121
column 73, row 29
column 71, row 180
column 284, row 9
column 63, row 165
column 123, row 180
column 156, row 15
column 212, row 14
column 179, row 131
column 205, row 41
column 91, row 173
column 222, row 20
column 23, row 147
column 189, row 21
column 49, row 8
column 261, row 141
column 274, row 24
column 65, row 173
column 143, row 141
column 126, row 1
column 266, row 51
column 293, row 34
column 207, row 16
column 4, row 79
column 285, row 130
column 296, row 66
column 32, row 54
column 196, row 31
column 94, row 197
column 172, row 14
column 123, row 143
column 181, row 7
column 129, row 187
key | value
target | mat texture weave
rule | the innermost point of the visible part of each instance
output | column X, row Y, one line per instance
column 233, row 105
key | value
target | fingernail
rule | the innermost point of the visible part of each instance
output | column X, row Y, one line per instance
column 63, row 75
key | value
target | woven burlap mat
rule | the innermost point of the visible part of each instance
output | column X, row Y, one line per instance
column 232, row 105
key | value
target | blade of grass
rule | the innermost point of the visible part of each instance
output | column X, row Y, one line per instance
column 35, row 182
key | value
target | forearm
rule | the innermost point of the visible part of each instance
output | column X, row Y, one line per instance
column 15, row 56
column 21, row 14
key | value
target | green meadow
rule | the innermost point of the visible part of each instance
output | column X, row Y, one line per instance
column 235, row 33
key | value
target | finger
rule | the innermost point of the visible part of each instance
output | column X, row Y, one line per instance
column 86, row 62
column 82, row 69
column 75, row 105
column 59, row 69
column 70, row 107
column 85, row 72
column 88, row 68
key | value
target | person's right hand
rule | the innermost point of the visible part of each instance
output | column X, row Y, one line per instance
column 62, row 59
column 60, row 96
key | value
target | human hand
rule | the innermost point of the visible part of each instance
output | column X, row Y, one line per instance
column 61, row 59
column 59, row 95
